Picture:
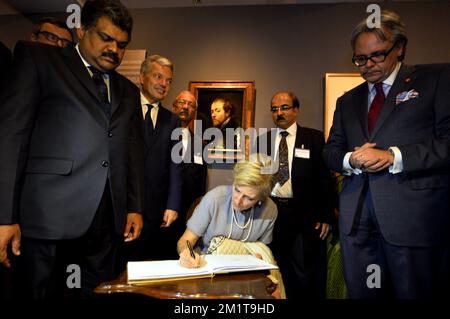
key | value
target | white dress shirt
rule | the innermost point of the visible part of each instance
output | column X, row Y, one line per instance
column 397, row 166
column 285, row 191
column 153, row 112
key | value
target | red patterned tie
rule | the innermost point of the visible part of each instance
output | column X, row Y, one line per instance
column 375, row 107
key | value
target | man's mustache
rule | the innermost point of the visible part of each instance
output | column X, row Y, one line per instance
column 111, row 55
column 184, row 112
column 280, row 118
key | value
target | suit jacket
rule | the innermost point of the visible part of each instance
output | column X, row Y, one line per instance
column 58, row 148
column 162, row 175
column 412, row 207
column 193, row 175
column 311, row 180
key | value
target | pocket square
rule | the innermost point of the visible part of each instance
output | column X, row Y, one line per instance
column 405, row 96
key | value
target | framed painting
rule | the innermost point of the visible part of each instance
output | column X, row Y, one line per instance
column 225, row 108
column 336, row 84
column 131, row 65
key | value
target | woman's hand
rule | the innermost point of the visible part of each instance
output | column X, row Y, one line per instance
column 187, row 261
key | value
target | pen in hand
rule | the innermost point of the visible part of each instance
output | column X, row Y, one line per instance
column 191, row 251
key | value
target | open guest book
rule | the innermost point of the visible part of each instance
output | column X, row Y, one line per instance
column 145, row 272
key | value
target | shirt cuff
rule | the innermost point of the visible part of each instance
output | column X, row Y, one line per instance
column 347, row 168
column 397, row 166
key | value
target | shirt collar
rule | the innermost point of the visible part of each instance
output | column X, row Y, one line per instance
column 292, row 130
column 86, row 63
column 225, row 122
column 391, row 78
column 145, row 101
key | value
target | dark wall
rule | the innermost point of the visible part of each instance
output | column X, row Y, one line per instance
column 287, row 47
column 14, row 28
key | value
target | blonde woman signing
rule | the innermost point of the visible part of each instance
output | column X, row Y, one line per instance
column 239, row 212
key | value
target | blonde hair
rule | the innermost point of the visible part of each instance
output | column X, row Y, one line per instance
column 251, row 173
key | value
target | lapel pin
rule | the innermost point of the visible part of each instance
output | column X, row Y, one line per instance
column 407, row 79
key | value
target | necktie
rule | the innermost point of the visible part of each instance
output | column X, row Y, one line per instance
column 282, row 175
column 148, row 119
column 375, row 106
column 102, row 90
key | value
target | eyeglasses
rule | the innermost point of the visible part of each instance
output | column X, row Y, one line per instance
column 283, row 107
column 376, row 57
column 54, row 38
column 183, row 102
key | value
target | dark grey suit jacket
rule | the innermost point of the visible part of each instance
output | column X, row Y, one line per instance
column 162, row 175
column 58, row 148
column 412, row 208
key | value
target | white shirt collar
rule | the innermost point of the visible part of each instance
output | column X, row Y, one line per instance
column 225, row 122
column 86, row 64
column 145, row 101
column 391, row 78
column 292, row 130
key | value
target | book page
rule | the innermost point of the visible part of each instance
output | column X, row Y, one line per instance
column 234, row 263
column 149, row 270
column 141, row 270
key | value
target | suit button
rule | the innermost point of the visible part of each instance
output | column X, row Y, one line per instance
column 105, row 164
column 110, row 134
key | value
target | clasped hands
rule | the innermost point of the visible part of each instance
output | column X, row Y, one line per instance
column 370, row 159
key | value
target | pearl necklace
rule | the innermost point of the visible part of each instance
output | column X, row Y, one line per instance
column 234, row 221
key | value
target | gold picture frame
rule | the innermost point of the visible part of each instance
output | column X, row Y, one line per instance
column 242, row 96
column 336, row 84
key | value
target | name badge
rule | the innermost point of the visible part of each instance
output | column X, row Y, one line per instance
column 302, row 153
column 198, row 159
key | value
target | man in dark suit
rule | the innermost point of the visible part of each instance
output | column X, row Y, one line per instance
column 193, row 168
column 303, row 196
column 72, row 159
column 162, row 174
column 391, row 139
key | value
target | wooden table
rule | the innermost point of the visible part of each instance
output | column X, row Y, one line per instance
column 247, row 285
